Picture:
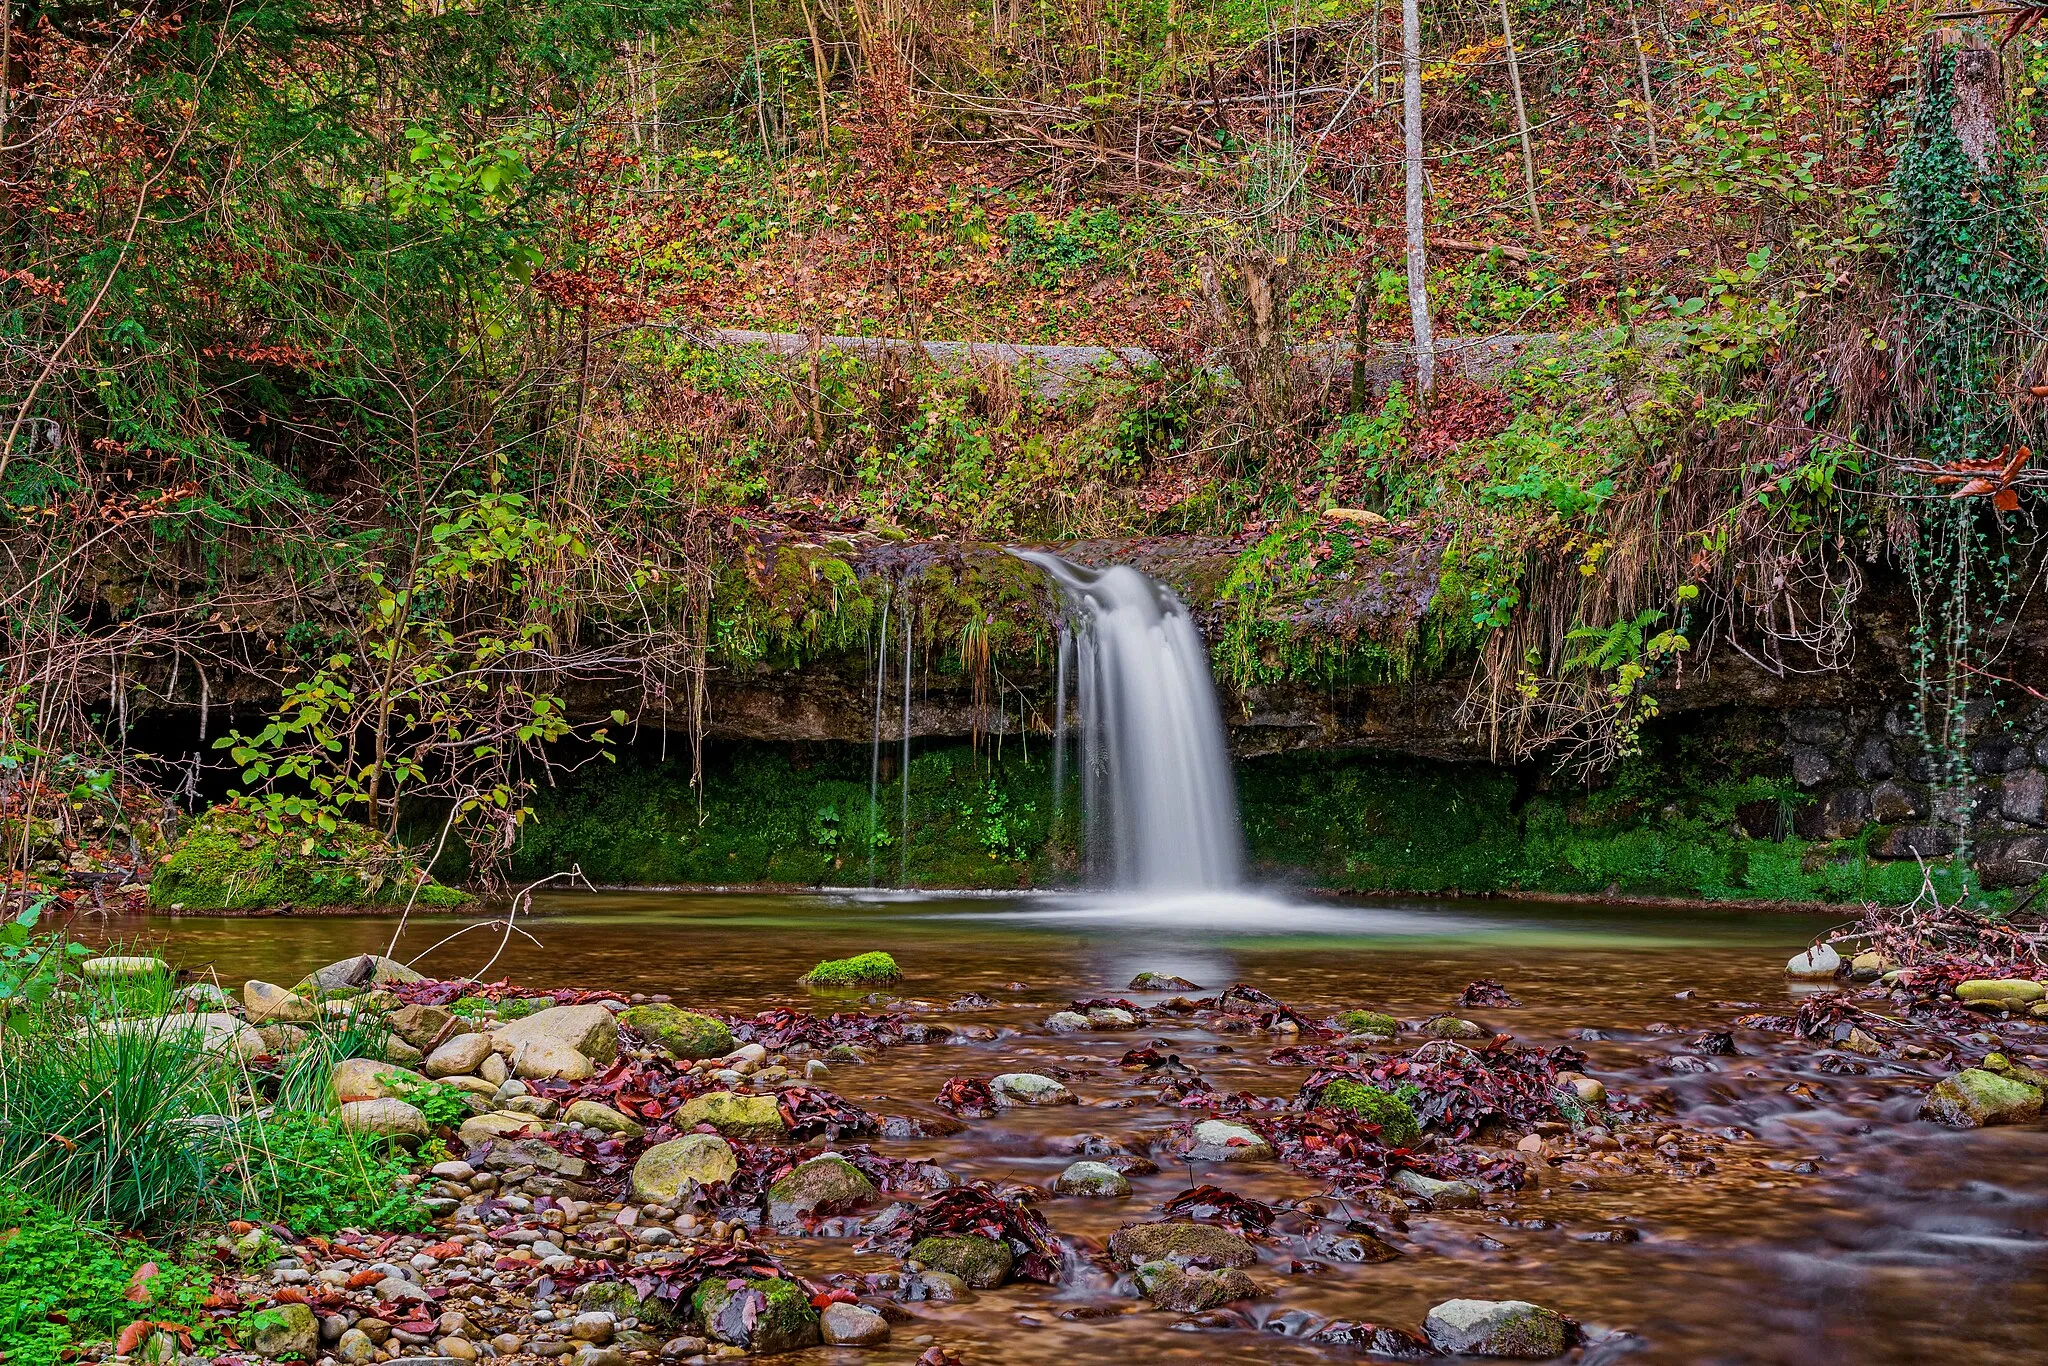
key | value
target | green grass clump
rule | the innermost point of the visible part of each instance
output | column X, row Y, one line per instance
column 1396, row 1120
column 308, row 1173
column 65, row 1282
column 1368, row 1022
column 862, row 970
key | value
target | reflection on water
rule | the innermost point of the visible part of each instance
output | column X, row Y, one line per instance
column 1833, row 1227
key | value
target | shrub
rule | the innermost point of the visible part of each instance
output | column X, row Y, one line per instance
column 863, row 970
column 309, row 1174
column 63, row 1282
column 1396, row 1119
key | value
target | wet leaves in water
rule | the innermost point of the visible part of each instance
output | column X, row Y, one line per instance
column 814, row 1113
column 976, row 1209
column 1214, row 1205
column 782, row 1028
column 969, row 1097
column 1487, row 993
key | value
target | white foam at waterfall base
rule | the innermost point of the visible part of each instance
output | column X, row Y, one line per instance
column 1155, row 772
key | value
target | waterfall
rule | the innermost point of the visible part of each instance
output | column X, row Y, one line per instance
column 1155, row 775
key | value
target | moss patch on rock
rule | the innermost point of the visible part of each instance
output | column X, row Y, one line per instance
column 983, row 1263
column 230, row 861
column 1395, row 1117
column 1368, row 1022
column 680, row 1033
column 782, row 1319
column 861, row 970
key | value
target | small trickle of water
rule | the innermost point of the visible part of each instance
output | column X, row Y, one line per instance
column 1160, row 807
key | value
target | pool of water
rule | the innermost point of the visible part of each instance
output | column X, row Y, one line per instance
column 1832, row 1226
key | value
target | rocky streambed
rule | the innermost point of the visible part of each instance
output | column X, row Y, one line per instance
column 1603, row 1155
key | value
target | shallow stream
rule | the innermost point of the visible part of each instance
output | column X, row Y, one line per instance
column 1830, row 1225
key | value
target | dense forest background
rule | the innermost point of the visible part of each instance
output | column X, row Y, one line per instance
column 370, row 393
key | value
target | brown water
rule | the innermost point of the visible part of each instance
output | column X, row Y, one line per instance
column 1832, row 1227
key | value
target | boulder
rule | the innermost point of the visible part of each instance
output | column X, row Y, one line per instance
column 547, row 1060
column 1513, row 1329
column 622, row 1301
column 754, row 1118
column 827, row 1184
column 1451, row 1027
column 202, row 996
column 285, row 1330
column 2010, row 992
column 765, row 1316
column 265, row 1003
column 364, row 970
column 668, row 1171
column 1092, row 1178
column 123, row 967
column 983, row 1263
column 1111, row 1017
column 1219, row 1140
column 419, row 1025
column 1066, row 1022
column 506, row 1153
column 683, row 1034
column 209, row 1033
column 1369, row 1022
column 1817, row 964
column 497, row 1124
column 1029, row 1088
column 593, row 1114
column 460, row 1056
column 852, row 1325
column 383, row 1118
column 1186, row 1290
column 1439, row 1194
column 1974, row 1098
column 1181, row 1242
column 590, row 1030
column 363, row 1079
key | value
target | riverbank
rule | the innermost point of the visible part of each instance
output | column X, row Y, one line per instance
column 1739, row 1135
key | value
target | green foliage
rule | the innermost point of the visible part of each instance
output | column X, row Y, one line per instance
column 443, row 1105
column 31, row 964
column 234, row 859
column 1046, row 253
column 303, row 1081
column 308, row 1173
column 65, row 1282
column 861, row 970
column 1390, row 1111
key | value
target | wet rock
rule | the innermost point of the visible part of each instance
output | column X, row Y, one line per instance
column 1219, row 1140
column 1874, row 760
column 1514, row 1329
column 1810, row 767
column 362, row 1079
column 593, row 1114
column 1155, row 981
column 1439, row 1194
column 1066, row 1022
column 1589, row 1090
column 1368, row 1022
column 683, row 1034
column 939, row 1287
column 590, row 1030
column 1186, row 1291
column 668, row 1171
column 754, row 1118
column 980, row 1263
column 1894, row 803
column 1816, row 964
column 1451, row 1027
column 1974, row 1098
column 286, row 1330
column 852, row 1325
column 2011, row 992
column 1182, row 1243
column 620, row 1301
column 364, row 970
column 764, row 1316
column 265, row 1003
column 1029, row 1088
column 459, row 1056
column 2023, row 796
column 387, row 1117
column 1868, row 967
column 1093, row 1179
column 1111, row 1017
column 827, row 1184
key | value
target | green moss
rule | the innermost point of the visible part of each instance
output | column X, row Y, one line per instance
column 1396, row 1120
column 228, row 860
column 682, row 1033
column 862, row 970
column 786, row 1323
column 1368, row 1022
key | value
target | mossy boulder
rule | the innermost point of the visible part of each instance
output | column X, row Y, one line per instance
column 1368, row 1022
column 774, row 1316
column 229, row 860
column 622, row 1301
column 862, row 970
column 983, row 1263
column 753, row 1118
column 827, row 1184
column 1181, row 1242
column 1514, row 1329
column 1396, row 1119
column 1186, row 1290
column 668, row 1171
column 1974, row 1098
column 680, row 1033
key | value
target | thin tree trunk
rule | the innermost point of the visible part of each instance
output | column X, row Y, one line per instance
column 1635, row 29
column 1361, row 317
column 1418, row 250
column 760, row 84
column 818, row 65
column 1507, row 32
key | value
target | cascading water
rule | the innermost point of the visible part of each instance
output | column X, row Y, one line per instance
column 1160, row 807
